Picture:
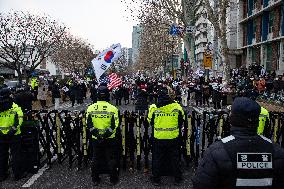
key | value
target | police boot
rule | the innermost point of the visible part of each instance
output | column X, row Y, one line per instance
column 156, row 181
column 114, row 180
column 3, row 178
column 96, row 181
column 178, row 181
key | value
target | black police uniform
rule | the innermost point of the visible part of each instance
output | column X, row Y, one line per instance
column 244, row 159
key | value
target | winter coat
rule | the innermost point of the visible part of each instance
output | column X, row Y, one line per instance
column 55, row 91
column 216, row 168
column 25, row 100
column 42, row 92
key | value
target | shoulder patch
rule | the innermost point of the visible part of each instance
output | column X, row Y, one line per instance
column 264, row 138
column 228, row 139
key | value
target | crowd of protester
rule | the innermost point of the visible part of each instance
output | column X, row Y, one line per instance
column 139, row 90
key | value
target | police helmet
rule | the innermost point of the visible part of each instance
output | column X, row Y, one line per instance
column 5, row 93
column 103, row 93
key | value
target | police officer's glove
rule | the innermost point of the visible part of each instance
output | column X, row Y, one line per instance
column 108, row 133
column 12, row 131
column 94, row 132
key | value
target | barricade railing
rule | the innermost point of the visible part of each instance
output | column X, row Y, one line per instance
column 64, row 136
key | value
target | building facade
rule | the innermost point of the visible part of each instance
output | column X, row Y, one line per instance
column 201, row 34
column 261, row 33
column 136, row 40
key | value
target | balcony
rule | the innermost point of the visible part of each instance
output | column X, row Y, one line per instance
column 270, row 36
column 271, row 5
column 200, row 40
column 199, row 50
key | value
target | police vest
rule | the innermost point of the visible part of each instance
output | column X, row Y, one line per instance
column 102, row 114
column 11, row 119
column 263, row 120
column 252, row 160
column 34, row 83
column 165, row 120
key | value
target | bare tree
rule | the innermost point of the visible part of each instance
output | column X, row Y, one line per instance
column 179, row 12
column 218, row 19
column 26, row 40
column 74, row 55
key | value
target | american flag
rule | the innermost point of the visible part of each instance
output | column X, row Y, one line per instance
column 115, row 81
column 104, row 79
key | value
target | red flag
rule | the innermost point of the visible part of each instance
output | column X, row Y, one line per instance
column 115, row 81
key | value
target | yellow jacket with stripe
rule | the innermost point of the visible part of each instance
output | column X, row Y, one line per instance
column 11, row 119
column 263, row 118
column 102, row 119
column 165, row 120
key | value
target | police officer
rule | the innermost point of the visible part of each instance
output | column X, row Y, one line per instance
column 243, row 159
column 166, row 119
column 103, row 121
column 263, row 128
column 34, row 85
column 11, row 118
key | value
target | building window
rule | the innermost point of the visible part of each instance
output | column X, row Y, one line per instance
column 271, row 19
column 254, row 4
column 268, row 57
column 254, row 29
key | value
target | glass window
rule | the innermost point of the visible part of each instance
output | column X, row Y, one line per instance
column 254, row 4
column 271, row 19
column 268, row 57
column 254, row 28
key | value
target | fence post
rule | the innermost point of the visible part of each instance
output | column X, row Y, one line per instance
column 146, row 145
column 124, row 157
column 138, row 142
column 275, row 128
column 188, row 138
column 58, row 137
column 84, row 140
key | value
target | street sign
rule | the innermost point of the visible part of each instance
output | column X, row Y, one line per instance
column 207, row 61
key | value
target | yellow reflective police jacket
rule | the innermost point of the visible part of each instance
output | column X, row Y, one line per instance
column 263, row 117
column 11, row 119
column 34, row 83
column 101, row 114
column 166, row 120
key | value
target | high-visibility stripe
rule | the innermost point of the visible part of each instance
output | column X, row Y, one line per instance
column 228, row 139
column 101, row 112
column 254, row 182
column 264, row 138
column 166, row 129
column 5, row 128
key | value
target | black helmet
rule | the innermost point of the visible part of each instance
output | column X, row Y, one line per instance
column 6, row 101
column 103, row 93
column 5, row 93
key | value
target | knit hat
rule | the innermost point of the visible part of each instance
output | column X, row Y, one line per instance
column 245, row 112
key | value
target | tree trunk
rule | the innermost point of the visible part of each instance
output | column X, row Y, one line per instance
column 20, row 76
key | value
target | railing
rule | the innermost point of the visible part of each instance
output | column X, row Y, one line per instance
column 64, row 136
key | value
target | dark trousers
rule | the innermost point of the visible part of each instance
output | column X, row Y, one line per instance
column 217, row 104
column 206, row 100
column 105, row 158
column 14, row 144
column 118, row 101
column 165, row 159
column 43, row 104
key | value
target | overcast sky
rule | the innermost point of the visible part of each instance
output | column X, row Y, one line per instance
column 101, row 22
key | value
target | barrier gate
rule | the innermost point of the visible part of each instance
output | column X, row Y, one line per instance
column 63, row 136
